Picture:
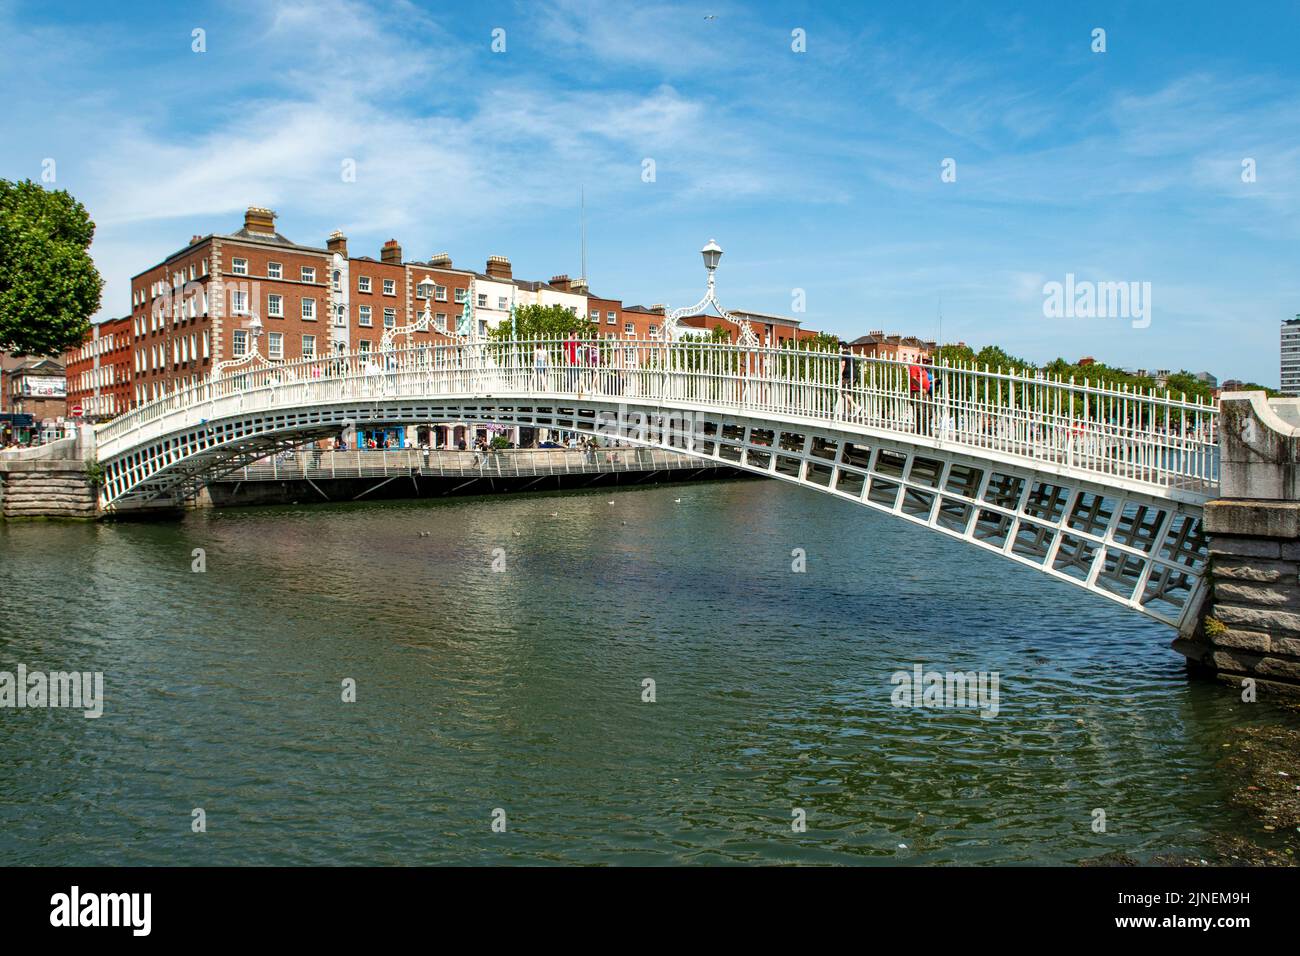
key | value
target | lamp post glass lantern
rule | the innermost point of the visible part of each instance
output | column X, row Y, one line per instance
column 712, row 252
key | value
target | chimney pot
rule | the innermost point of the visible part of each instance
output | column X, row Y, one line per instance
column 260, row 219
column 440, row 259
column 337, row 242
column 498, row 267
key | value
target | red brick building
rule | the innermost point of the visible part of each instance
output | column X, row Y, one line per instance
column 196, row 307
column 776, row 331
column 33, row 386
column 100, row 371
column 900, row 348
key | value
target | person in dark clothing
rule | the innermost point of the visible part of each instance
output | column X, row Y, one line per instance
column 849, row 369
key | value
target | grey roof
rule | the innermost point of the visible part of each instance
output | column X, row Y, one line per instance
column 270, row 239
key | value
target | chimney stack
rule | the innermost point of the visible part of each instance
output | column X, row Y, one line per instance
column 659, row 307
column 578, row 285
column 498, row 267
column 440, row 259
column 560, row 282
column 194, row 239
column 391, row 252
column 260, row 219
column 337, row 242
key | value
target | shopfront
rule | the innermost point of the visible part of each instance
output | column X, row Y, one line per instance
column 375, row 439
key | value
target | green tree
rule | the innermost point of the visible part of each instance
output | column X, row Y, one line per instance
column 821, row 342
column 1253, row 387
column 49, row 287
column 996, row 358
column 954, row 354
column 543, row 322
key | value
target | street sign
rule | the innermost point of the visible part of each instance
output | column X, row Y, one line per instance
column 76, row 411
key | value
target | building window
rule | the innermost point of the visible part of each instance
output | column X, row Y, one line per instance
column 390, row 287
column 653, row 331
column 238, row 302
column 363, row 283
column 462, row 296
column 611, row 318
column 275, row 306
column 275, row 345
column 363, row 315
column 595, row 315
column 629, row 329
column 309, row 310
column 440, row 293
column 440, row 321
column 309, row 346
column 502, row 302
column 308, row 274
column 239, row 267
column 340, row 319
column 363, row 345
column 390, row 318
column 273, row 270
column 239, row 343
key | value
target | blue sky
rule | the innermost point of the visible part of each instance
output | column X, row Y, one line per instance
column 817, row 171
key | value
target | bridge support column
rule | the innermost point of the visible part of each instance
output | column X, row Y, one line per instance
column 1249, row 623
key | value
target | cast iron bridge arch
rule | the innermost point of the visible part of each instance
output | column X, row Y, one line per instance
column 1097, row 486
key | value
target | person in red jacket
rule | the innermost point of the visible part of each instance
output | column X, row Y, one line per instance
column 920, row 388
column 571, row 359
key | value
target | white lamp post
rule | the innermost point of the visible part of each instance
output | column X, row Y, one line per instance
column 712, row 254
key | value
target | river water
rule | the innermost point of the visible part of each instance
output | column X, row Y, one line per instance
column 521, row 691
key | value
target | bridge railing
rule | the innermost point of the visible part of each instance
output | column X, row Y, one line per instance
column 1146, row 436
column 516, row 462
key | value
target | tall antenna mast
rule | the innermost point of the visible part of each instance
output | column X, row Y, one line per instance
column 940, row 321
column 582, row 219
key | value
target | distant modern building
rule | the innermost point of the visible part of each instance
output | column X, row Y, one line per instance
column 1291, row 356
column 1208, row 379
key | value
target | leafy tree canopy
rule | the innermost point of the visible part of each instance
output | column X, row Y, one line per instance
column 544, row 322
column 821, row 342
column 49, row 286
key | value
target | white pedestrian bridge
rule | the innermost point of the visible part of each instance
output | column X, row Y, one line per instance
column 1099, row 486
